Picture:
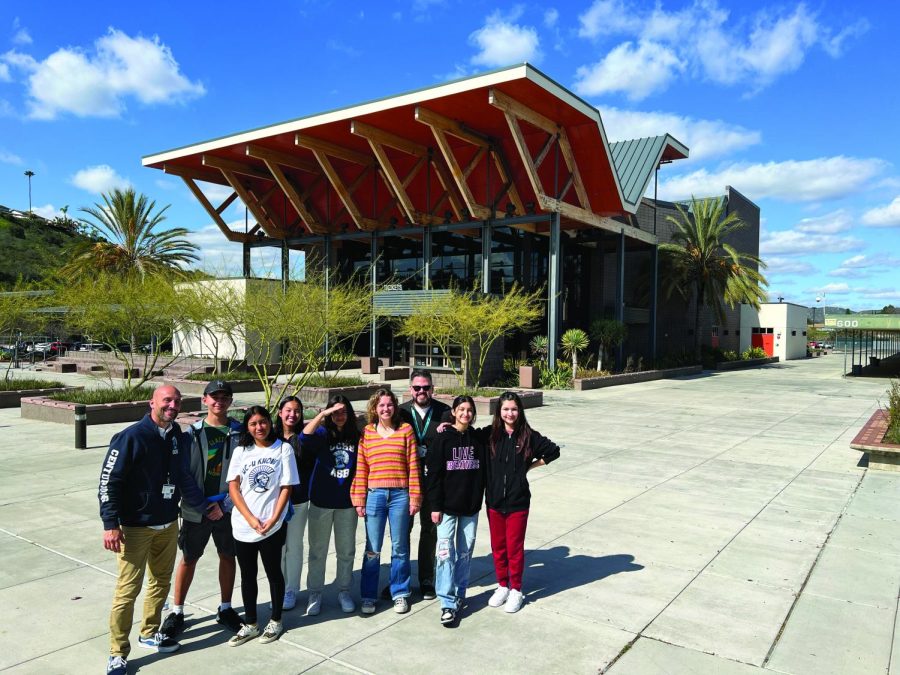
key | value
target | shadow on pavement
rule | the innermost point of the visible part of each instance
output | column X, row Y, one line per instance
column 553, row 570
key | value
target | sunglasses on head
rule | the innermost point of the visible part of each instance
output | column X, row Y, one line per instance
column 421, row 387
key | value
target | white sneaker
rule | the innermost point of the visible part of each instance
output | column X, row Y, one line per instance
column 346, row 602
column 290, row 600
column 117, row 665
column 499, row 596
column 514, row 601
column 247, row 632
column 271, row 633
column 314, row 606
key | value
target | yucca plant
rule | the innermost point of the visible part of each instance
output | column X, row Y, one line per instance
column 572, row 342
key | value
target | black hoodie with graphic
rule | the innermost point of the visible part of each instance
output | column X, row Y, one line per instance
column 456, row 471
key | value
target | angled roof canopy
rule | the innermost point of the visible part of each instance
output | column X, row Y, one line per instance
column 510, row 142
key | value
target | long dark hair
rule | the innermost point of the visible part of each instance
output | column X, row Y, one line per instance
column 521, row 429
column 372, row 408
column 279, row 425
column 350, row 432
column 246, row 438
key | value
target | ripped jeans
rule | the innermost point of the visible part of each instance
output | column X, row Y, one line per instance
column 456, row 539
column 386, row 506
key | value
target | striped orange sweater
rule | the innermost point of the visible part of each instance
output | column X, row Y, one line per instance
column 390, row 462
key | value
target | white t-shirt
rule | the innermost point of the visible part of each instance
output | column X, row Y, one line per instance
column 263, row 471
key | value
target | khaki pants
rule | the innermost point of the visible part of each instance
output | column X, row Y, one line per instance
column 153, row 550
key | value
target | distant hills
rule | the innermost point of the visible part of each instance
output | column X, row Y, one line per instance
column 34, row 247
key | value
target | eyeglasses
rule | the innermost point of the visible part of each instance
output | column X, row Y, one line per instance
column 421, row 387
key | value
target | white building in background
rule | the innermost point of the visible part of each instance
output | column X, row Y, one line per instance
column 778, row 327
column 217, row 341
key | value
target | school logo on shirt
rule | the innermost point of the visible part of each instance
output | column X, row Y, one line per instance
column 261, row 477
column 342, row 461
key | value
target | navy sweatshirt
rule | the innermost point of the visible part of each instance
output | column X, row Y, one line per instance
column 137, row 465
column 333, row 471
column 507, row 485
column 456, row 469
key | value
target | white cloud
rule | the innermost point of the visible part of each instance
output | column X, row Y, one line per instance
column 778, row 265
column 705, row 138
column 791, row 181
column 879, row 293
column 47, row 211
column 861, row 266
column 21, row 36
column 224, row 258
column 635, row 71
column 883, row 216
column 502, row 42
column 4, row 73
column 833, row 289
column 10, row 158
column 551, row 16
column 607, row 17
column 214, row 192
column 98, row 179
column 754, row 51
column 830, row 223
column 97, row 83
column 792, row 242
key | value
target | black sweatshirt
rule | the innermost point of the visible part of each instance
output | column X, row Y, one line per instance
column 456, row 466
column 507, row 486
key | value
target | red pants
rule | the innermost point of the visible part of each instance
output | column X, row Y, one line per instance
column 508, row 546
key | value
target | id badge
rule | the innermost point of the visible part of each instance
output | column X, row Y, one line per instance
column 423, row 450
column 168, row 491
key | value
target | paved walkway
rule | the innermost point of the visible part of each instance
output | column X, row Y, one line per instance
column 715, row 524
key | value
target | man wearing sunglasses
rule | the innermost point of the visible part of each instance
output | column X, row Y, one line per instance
column 424, row 414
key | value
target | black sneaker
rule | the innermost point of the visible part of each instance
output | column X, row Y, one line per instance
column 448, row 616
column 386, row 593
column 428, row 590
column 159, row 642
column 173, row 625
column 230, row 619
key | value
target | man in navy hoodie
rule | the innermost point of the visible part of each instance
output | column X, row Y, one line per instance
column 144, row 475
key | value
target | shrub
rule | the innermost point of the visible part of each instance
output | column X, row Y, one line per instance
column 731, row 355
column 754, row 353
column 233, row 375
column 318, row 380
column 472, row 391
column 558, row 378
column 109, row 395
column 592, row 372
column 893, row 412
column 28, row 383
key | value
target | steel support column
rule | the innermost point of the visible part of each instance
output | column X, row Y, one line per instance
column 486, row 229
column 327, row 261
column 373, row 279
column 285, row 265
column 620, row 296
column 247, row 271
column 426, row 257
column 654, row 282
column 553, row 290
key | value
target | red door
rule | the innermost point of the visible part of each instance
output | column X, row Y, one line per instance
column 764, row 340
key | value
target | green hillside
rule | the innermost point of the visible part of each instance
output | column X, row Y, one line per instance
column 33, row 248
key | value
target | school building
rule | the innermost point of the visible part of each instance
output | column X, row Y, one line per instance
column 494, row 179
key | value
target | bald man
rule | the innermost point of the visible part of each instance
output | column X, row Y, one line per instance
column 144, row 475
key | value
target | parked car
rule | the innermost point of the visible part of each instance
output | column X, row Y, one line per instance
column 93, row 347
column 58, row 347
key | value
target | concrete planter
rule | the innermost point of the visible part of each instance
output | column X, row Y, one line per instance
column 318, row 396
column 12, row 399
column 529, row 377
column 746, row 363
column 62, row 412
column 632, row 378
column 870, row 439
column 196, row 387
column 486, row 405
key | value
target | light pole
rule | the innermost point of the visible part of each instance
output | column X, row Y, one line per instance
column 28, row 174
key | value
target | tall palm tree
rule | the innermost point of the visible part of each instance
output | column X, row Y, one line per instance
column 705, row 267
column 125, row 222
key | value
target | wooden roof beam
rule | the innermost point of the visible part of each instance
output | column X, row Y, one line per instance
column 230, row 234
column 274, row 161
column 344, row 193
column 581, row 215
column 235, row 167
column 268, row 224
column 333, row 150
column 207, row 176
column 282, row 158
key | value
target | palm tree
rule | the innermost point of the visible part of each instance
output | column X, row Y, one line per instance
column 705, row 267
column 608, row 333
column 125, row 222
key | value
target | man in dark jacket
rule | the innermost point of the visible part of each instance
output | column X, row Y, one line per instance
column 423, row 413
column 144, row 475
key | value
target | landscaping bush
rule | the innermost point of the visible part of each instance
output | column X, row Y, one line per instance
column 893, row 412
column 17, row 384
column 559, row 378
column 233, row 375
column 731, row 355
column 754, row 353
column 472, row 391
column 585, row 373
column 108, row 395
column 317, row 380
column 676, row 360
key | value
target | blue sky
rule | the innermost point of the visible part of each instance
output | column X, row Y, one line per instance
column 794, row 104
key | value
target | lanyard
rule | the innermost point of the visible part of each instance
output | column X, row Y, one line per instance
column 420, row 434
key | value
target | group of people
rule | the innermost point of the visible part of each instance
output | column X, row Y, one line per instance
column 262, row 489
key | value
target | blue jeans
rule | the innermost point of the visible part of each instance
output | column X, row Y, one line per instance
column 386, row 505
column 455, row 541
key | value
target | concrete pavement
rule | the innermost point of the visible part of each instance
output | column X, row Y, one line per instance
column 714, row 524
